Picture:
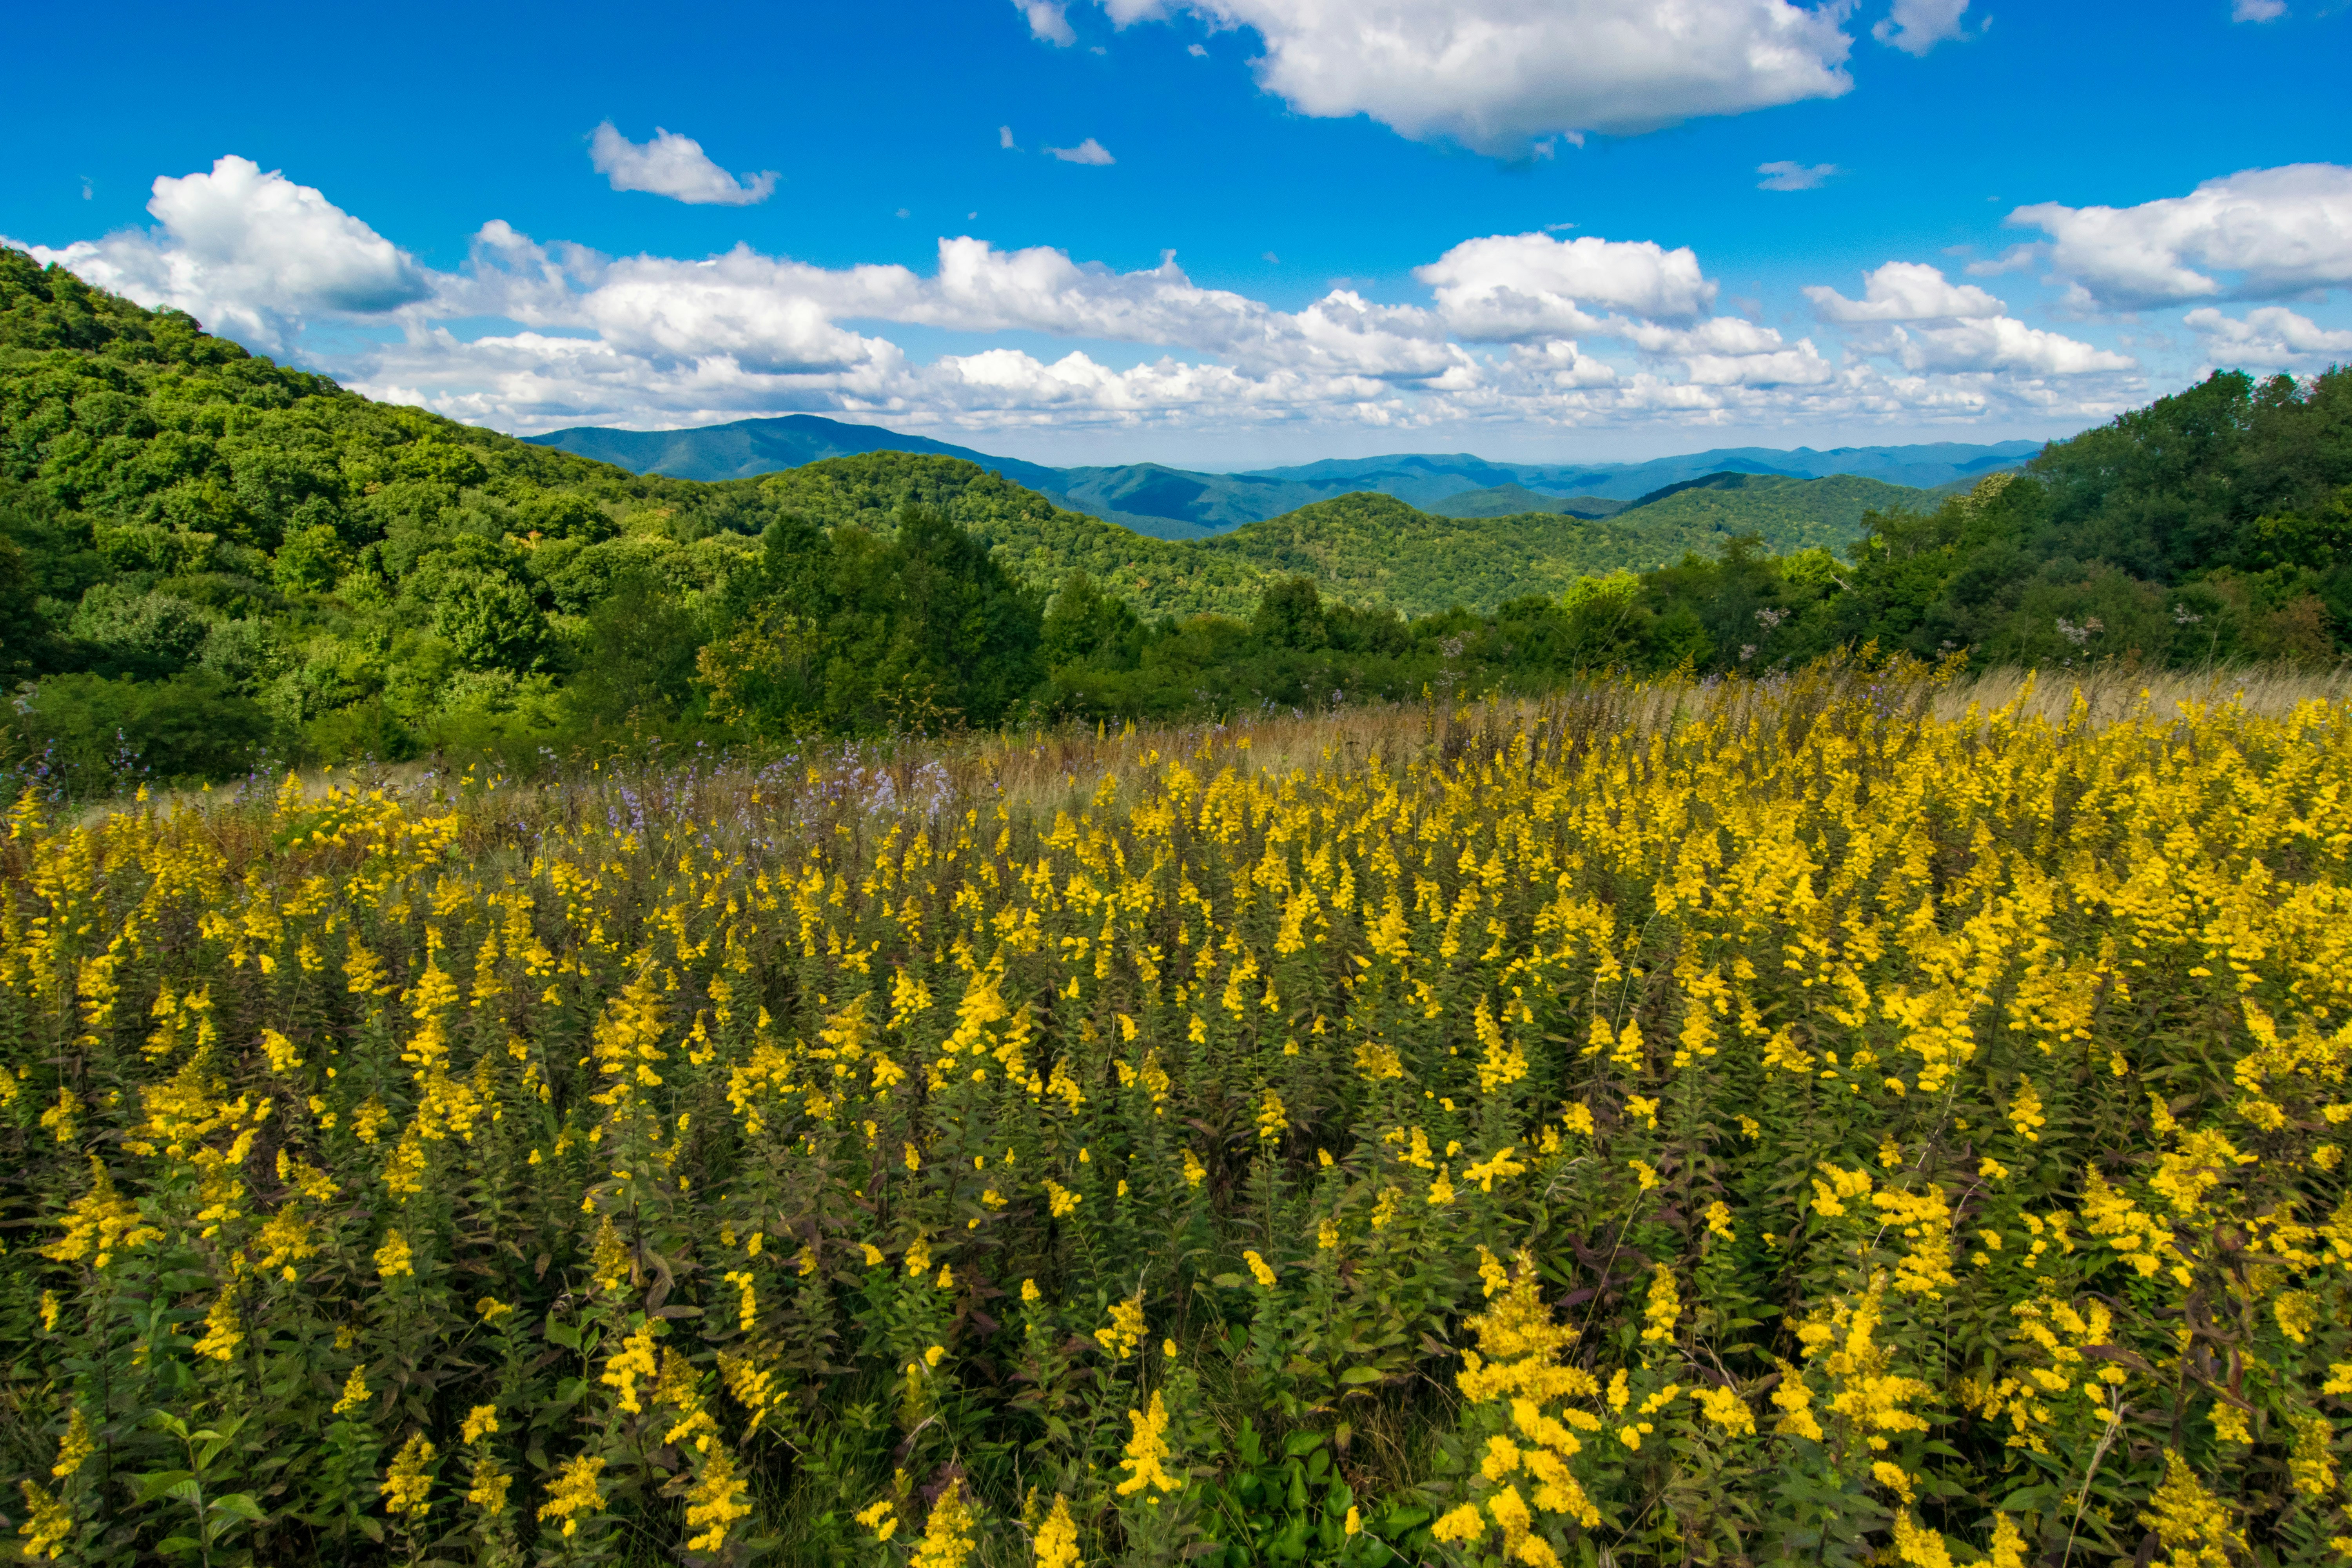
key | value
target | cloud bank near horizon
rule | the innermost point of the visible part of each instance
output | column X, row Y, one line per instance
column 1523, row 329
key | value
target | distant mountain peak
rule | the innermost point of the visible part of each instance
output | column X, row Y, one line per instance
column 1170, row 503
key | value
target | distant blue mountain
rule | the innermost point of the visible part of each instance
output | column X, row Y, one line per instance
column 752, row 447
column 1176, row 503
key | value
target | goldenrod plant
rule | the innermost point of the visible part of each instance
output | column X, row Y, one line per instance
column 1847, row 1117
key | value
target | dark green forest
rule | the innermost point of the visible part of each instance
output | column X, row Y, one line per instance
column 211, row 562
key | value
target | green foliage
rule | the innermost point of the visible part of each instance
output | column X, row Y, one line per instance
column 1374, row 550
column 1039, row 542
column 87, row 734
column 1787, row 513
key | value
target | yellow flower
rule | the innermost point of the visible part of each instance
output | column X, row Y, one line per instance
column 715, row 1501
column 575, row 1492
column 1146, row 1449
column 355, row 1391
column 75, row 1447
column 947, row 1534
column 2193, row 1524
column 1057, row 1542
column 880, row 1518
column 392, row 1259
column 746, row 1298
column 1460, row 1526
column 1727, row 1409
column 407, row 1482
column 633, row 1360
column 1126, row 1329
column 1918, row 1545
column 1664, row 1307
column 481, row 1421
column 489, row 1486
column 1258, row 1269
column 222, row 1335
column 47, row 1522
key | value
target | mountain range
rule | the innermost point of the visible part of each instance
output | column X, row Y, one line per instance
column 1176, row 503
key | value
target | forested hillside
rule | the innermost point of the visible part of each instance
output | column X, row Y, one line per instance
column 1374, row 551
column 207, row 559
column 1785, row 513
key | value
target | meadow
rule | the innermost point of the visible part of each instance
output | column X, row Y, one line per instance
column 1840, row 1117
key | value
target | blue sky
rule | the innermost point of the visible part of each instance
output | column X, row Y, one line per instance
column 1530, row 230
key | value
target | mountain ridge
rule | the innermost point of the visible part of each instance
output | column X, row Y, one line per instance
column 1167, row 502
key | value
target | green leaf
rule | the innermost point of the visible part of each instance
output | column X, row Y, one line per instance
column 160, row 1483
column 242, row 1505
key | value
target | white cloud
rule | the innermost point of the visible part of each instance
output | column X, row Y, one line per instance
column 1905, row 291
column 2000, row 343
column 1501, row 75
column 1005, row 137
column 1087, row 152
column 675, row 166
column 1598, row 331
column 2282, row 231
column 1954, row 328
column 2257, row 10
column 1783, row 175
column 1800, row 366
column 1915, row 27
column 1048, row 22
column 2270, row 335
column 1519, row 287
column 251, row 254
column 2016, row 258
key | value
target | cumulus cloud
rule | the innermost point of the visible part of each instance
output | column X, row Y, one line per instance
column 2270, row 335
column 1526, row 330
column 2000, row 343
column 1519, row 287
column 1915, row 27
column 1087, row 152
column 1783, row 175
column 1048, row 22
column 1501, row 75
column 1905, row 291
column 2282, row 231
column 251, row 254
column 1953, row 328
column 675, row 166
column 1004, row 137
column 2257, row 10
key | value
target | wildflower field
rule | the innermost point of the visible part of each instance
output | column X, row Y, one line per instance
column 1816, row 1120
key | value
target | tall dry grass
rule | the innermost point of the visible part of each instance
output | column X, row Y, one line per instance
column 755, row 795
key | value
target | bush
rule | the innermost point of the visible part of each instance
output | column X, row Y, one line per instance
column 101, row 734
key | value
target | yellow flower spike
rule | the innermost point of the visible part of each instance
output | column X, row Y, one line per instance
column 1056, row 1544
column 75, row 1449
column 574, row 1493
column 1145, row 1451
column 407, row 1483
column 481, row 1421
column 47, row 1525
